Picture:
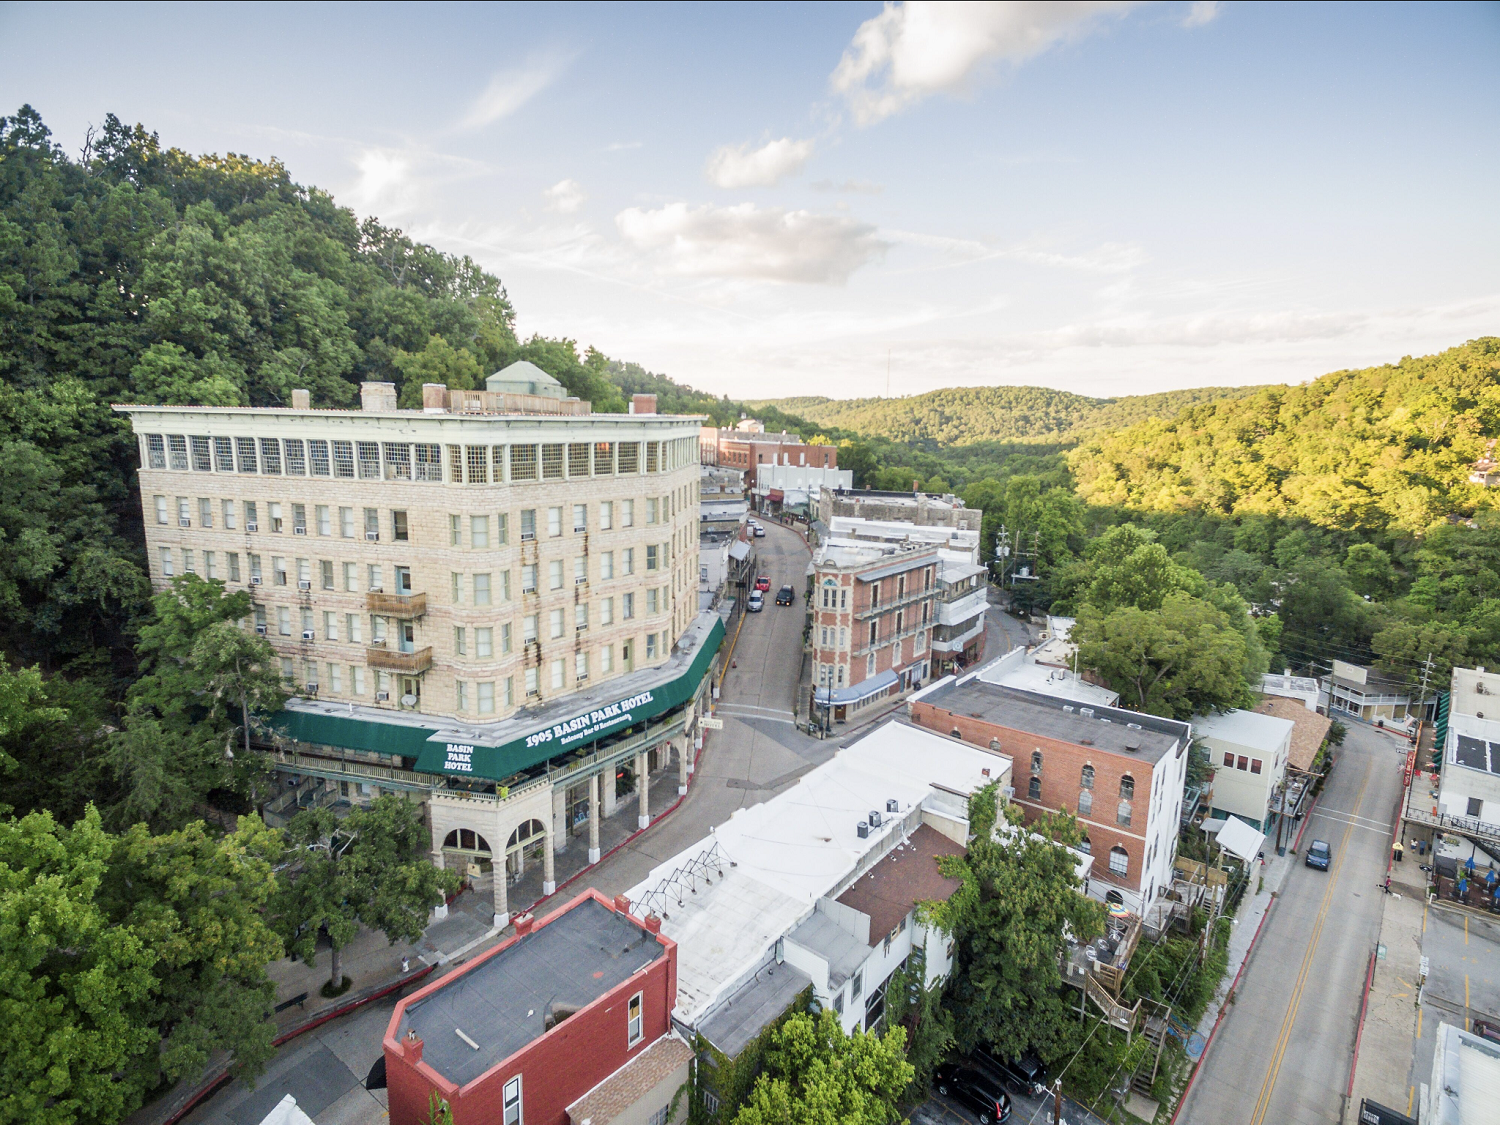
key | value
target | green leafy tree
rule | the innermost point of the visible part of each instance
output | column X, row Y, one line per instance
column 370, row 868
column 240, row 673
column 1021, row 895
column 817, row 1075
column 928, row 1021
column 197, row 900
column 75, row 987
column 438, row 362
column 24, row 706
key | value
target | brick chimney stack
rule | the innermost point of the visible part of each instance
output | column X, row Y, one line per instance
column 643, row 404
column 302, row 400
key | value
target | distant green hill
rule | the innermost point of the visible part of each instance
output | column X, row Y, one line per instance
column 957, row 416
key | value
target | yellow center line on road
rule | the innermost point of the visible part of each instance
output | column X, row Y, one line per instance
column 1263, row 1102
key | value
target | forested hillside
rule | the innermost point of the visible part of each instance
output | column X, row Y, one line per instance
column 956, row 416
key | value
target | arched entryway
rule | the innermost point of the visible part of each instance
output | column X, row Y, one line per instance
column 525, row 844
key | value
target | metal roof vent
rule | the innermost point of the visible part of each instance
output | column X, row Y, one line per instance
column 1086, row 712
column 1132, row 747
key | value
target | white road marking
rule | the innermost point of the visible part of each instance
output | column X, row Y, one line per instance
column 1352, row 822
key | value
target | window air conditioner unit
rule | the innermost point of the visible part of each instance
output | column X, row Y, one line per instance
column 579, row 581
column 382, row 696
column 527, row 536
column 184, row 522
column 372, row 536
column 308, row 634
column 304, row 584
column 377, row 589
column 580, row 628
column 533, row 693
column 299, row 530
column 378, row 642
column 252, row 527
column 261, row 629
column 255, row 580
column 583, row 677
column 312, row 689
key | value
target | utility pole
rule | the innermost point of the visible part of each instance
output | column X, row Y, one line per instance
column 1426, row 671
column 1002, row 552
column 1057, row 1102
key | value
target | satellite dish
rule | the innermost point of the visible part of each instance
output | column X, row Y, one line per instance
column 408, row 701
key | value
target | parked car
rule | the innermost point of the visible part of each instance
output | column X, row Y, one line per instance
column 975, row 1090
column 1487, row 1030
column 786, row 596
column 757, row 601
column 763, row 583
column 758, row 531
column 1023, row 1074
column 1319, row 854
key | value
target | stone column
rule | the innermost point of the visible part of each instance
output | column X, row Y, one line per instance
column 558, row 837
column 594, row 818
column 643, row 789
column 502, row 903
column 549, row 873
column 684, row 757
column 607, row 791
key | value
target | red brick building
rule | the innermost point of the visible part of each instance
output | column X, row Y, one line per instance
column 568, row 1019
column 873, row 612
column 1120, row 772
column 744, row 450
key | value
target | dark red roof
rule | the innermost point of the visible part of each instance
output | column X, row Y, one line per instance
column 905, row 877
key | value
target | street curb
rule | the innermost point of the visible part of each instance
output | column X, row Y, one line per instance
column 1359, row 1028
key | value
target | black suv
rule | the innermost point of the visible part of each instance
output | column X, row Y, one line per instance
column 974, row 1089
column 786, row 596
column 1023, row 1074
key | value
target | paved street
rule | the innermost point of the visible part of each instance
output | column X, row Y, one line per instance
column 1283, row 1052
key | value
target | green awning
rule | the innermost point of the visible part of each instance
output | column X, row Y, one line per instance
column 498, row 762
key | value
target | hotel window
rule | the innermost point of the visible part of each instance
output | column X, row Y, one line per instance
column 511, row 1103
column 650, row 646
column 505, row 638
column 502, row 529
column 296, row 464
column 166, row 562
column 633, row 1022
column 460, row 695
column 284, row 620
column 317, row 457
column 254, row 569
column 299, row 519
column 630, row 457
column 397, row 461
column 487, row 697
column 330, row 625
column 429, row 465
column 627, row 561
column 510, row 691
column 479, row 531
column 351, row 579
column 325, row 573
column 606, row 515
column 205, row 512
column 484, row 641
column 522, row 462
column 177, row 444
column 559, row 674
column 627, row 607
column 580, row 569
column 528, row 628
column 399, row 530
column 477, row 459
column 606, row 566
column 275, row 513
column 278, row 570
column 651, row 510
column 234, row 566
column 1229, row 761
column 481, row 589
column 335, row 679
column 580, row 518
column 227, row 508
column 356, row 680
column 346, row 522
column 355, row 624
column 607, row 611
column 555, row 621
column 580, row 665
column 369, row 460
column 554, row 522
column 156, row 452
column 460, row 643
column 455, row 531
column 604, row 458
column 373, row 571
column 343, row 459
column 627, row 513
column 555, row 574
column 606, row 659
column 552, row 462
column 1255, row 764
column 456, row 595
column 651, row 601
column 578, row 459
column 161, row 510
column 580, row 617
column 1119, row 861
column 652, row 553
column 528, row 524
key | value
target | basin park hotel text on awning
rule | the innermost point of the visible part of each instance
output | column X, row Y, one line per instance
column 489, row 604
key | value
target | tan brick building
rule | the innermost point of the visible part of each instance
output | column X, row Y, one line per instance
column 1120, row 772
column 459, row 595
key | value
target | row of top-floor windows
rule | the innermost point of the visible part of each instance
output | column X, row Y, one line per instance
column 479, row 531
column 416, row 461
column 837, row 597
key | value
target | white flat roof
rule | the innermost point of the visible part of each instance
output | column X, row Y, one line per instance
column 798, row 846
column 1013, row 670
column 1245, row 728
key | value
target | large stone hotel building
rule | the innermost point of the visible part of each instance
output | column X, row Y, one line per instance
column 490, row 603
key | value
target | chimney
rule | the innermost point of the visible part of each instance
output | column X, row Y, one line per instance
column 643, row 404
column 524, row 923
column 302, row 400
column 653, row 923
column 377, row 396
column 434, row 398
column 412, row 1047
column 1287, row 672
column 622, row 904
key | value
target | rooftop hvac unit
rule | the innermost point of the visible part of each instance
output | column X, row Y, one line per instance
column 1479, row 688
column 261, row 629
column 408, row 701
column 307, row 634
column 255, row 580
column 874, row 818
column 184, row 522
column 892, row 805
column 382, row 696
column 300, row 529
column 863, row 828
column 304, row 584
column 252, row 527
column 1086, row 712
column 372, row 536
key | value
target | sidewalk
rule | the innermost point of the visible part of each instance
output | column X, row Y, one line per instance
column 1390, row 1021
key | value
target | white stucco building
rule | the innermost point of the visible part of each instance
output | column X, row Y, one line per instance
column 1248, row 753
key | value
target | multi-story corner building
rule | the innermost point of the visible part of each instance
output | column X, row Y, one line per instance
column 872, row 615
column 491, row 601
column 1120, row 772
column 743, row 450
column 924, row 509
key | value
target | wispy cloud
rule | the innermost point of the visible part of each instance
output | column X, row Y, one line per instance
column 622, row 146
column 1202, row 12
column 565, row 197
column 510, row 89
column 768, row 244
column 848, row 187
column 920, row 48
column 739, row 166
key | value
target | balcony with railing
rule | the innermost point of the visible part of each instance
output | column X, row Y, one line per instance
column 944, row 639
column 396, row 605
column 884, row 639
column 394, row 660
column 909, row 598
column 954, row 611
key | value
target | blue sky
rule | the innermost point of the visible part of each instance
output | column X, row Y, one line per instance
column 776, row 200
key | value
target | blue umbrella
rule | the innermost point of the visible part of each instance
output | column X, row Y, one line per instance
column 1489, row 877
column 1462, row 886
column 1469, row 865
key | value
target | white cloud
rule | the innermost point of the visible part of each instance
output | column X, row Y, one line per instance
column 739, row 166
column 848, row 187
column 924, row 47
column 1202, row 12
column 382, row 183
column 509, row 90
column 565, row 197
column 744, row 241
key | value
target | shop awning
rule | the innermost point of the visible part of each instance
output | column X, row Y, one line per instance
column 776, row 495
column 452, row 749
column 862, row 690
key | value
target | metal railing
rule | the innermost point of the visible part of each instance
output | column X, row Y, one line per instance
column 396, row 605
column 1462, row 825
column 890, row 638
column 886, row 607
column 394, row 660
